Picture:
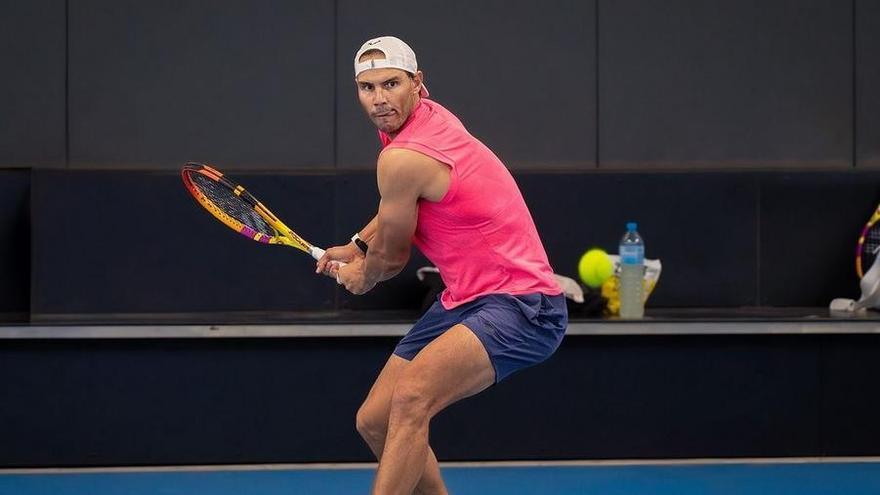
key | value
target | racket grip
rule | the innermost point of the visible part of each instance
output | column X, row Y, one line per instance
column 317, row 252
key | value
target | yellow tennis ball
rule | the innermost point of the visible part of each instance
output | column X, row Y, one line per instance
column 595, row 267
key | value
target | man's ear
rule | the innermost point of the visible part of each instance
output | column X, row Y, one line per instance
column 420, row 79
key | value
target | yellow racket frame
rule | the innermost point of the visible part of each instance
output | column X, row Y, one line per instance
column 860, row 270
column 283, row 234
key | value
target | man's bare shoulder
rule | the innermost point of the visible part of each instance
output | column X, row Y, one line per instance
column 412, row 170
column 402, row 157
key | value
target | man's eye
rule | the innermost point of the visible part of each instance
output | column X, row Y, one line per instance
column 367, row 87
column 391, row 84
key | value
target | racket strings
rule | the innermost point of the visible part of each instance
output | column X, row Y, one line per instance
column 869, row 246
column 872, row 240
column 232, row 205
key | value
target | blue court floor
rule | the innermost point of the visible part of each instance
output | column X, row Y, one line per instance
column 853, row 477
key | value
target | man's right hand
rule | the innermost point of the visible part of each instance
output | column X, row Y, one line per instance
column 329, row 263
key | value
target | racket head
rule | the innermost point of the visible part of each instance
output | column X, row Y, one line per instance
column 236, row 208
column 869, row 244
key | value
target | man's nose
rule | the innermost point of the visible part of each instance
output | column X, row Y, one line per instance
column 379, row 97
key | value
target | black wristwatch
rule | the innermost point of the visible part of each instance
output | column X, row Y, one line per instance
column 356, row 239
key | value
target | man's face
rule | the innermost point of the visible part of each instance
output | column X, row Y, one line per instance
column 388, row 96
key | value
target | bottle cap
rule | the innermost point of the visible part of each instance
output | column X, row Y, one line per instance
column 631, row 226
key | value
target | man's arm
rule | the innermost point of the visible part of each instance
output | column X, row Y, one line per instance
column 401, row 179
column 345, row 254
column 369, row 231
column 404, row 176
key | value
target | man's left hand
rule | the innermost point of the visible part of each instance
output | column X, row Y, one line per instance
column 353, row 278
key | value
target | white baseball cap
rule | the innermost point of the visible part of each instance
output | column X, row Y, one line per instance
column 398, row 55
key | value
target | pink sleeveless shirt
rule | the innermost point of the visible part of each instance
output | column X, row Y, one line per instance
column 481, row 235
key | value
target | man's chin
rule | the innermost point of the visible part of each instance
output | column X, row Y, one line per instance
column 387, row 128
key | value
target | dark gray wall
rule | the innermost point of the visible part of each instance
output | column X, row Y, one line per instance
column 15, row 245
column 240, row 401
column 33, row 41
column 263, row 88
column 139, row 243
column 136, row 243
column 806, row 235
column 548, row 85
column 520, row 74
column 568, row 93
column 867, row 23
column 153, row 84
column 725, row 83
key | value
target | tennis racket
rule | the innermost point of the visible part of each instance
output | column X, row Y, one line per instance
column 869, row 244
column 240, row 210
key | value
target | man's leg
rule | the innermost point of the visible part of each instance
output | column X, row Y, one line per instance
column 372, row 424
column 452, row 367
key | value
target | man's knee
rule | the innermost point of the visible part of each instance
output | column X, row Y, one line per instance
column 370, row 424
column 410, row 401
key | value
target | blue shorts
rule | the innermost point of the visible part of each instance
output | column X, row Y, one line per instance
column 517, row 331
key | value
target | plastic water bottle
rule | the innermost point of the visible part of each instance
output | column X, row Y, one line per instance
column 632, row 272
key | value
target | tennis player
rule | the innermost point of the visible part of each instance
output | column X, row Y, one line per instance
column 502, row 310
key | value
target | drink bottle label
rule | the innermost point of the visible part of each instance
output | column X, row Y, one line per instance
column 632, row 255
